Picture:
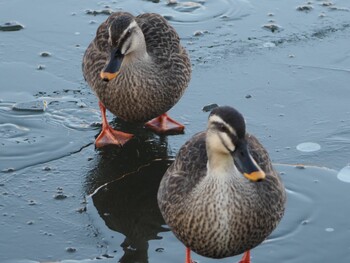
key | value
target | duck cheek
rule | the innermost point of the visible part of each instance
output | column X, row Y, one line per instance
column 127, row 47
column 227, row 142
column 216, row 144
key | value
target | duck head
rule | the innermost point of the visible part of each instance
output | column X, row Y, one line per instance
column 226, row 138
column 125, row 37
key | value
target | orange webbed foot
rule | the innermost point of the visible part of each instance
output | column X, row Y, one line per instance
column 164, row 124
column 109, row 136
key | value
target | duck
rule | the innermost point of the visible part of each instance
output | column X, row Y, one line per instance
column 221, row 196
column 138, row 69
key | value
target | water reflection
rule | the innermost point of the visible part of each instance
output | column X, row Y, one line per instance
column 114, row 162
column 124, row 184
column 129, row 206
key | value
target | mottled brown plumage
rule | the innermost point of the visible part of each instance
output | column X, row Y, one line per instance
column 205, row 199
column 152, row 77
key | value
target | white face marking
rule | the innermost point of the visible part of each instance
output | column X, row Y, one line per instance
column 227, row 141
column 220, row 141
column 215, row 143
column 131, row 26
column 110, row 36
column 215, row 118
column 130, row 42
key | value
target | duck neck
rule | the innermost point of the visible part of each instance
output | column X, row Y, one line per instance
column 139, row 53
column 137, row 59
column 220, row 164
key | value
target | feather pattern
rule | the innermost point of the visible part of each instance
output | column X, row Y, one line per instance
column 220, row 215
column 146, row 86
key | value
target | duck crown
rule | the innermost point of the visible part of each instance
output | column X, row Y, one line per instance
column 229, row 120
column 120, row 29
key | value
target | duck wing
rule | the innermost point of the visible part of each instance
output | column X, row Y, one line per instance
column 161, row 38
column 259, row 153
column 188, row 169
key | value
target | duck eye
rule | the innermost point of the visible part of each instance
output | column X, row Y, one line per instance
column 222, row 128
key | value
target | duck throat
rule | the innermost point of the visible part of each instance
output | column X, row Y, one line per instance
column 137, row 57
column 221, row 165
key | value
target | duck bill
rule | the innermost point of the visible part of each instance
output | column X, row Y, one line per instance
column 112, row 69
column 247, row 165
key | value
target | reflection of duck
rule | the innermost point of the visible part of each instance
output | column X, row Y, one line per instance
column 112, row 163
column 221, row 197
column 138, row 70
column 129, row 206
column 125, row 182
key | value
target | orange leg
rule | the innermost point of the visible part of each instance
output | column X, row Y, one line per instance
column 108, row 135
column 164, row 124
column 246, row 257
column 188, row 255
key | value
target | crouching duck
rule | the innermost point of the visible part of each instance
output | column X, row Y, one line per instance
column 221, row 197
column 138, row 70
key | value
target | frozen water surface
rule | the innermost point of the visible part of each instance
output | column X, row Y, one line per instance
column 285, row 65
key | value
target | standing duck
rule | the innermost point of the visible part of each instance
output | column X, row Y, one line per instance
column 138, row 69
column 221, row 197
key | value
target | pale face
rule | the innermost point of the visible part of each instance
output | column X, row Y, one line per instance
column 220, row 135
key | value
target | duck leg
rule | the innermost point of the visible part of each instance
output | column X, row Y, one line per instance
column 108, row 135
column 246, row 257
column 188, row 256
column 165, row 124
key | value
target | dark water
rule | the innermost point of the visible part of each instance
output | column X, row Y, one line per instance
column 285, row 66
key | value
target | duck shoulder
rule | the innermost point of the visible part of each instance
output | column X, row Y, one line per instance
column 271, row 188
column 161, row 39
column 259, row 153
column 189, row 167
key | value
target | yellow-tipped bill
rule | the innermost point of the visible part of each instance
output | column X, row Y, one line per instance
column 246, row 163
column 255, row 176
column 108, row 76
column 111, row 70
